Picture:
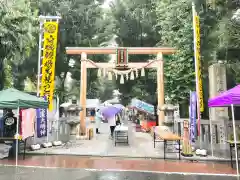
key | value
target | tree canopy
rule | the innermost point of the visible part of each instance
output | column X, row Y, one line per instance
column 17, row 29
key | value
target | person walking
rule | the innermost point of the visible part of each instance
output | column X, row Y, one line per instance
column 112, row 124
column 98, row 119
column 130, row 115
column 92, row 114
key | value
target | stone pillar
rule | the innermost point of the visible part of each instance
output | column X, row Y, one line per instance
column 177, row 120
column 217, row 85
column 83, row 92
column 160, row 88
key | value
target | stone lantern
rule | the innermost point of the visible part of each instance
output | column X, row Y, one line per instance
column 169, row 114
column 73, row 119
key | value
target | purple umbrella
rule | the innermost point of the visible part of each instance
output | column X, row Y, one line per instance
column 110, row 111
column 120, row 106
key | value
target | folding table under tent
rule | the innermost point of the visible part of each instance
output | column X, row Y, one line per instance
column 228, row 98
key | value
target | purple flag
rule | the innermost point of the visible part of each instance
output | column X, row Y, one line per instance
column 193, row 103
column 41, row 122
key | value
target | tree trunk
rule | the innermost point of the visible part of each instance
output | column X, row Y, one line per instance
column 18, row 80
column 62, row 88
column 1, row 74
column 155, row 112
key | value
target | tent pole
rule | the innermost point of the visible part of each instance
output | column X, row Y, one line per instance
column 211, row 132
column 17, row 134
column 57, row 111
column 235, row 138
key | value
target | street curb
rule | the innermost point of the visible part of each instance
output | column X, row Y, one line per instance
column 210, row 159
column 124, row 170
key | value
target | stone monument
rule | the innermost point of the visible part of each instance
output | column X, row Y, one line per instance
column 219, row 116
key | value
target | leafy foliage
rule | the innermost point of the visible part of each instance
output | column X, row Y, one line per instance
column 135, row 26
column 175, row 22
column 82, row 25
column 17, row 28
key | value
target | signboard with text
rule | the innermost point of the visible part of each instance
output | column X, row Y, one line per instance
column 41, row 115
column 122, row 57
column 198, row 64
column 48, row 61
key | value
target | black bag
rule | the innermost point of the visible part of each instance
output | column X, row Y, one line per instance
column 118, row 122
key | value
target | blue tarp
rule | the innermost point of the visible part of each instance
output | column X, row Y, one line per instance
column 141, row 105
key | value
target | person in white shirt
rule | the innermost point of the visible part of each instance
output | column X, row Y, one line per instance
column 98, row 119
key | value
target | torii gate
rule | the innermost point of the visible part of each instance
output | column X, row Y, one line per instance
column 86, row 63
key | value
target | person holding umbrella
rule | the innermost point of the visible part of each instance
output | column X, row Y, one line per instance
column 112, row 124
column 110, row 112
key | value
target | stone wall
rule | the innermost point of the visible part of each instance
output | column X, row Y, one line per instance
column 62, row 129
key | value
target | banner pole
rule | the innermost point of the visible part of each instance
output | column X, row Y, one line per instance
column 39, row 69
column 39, row 57
column 42, row 20
column 196, row 72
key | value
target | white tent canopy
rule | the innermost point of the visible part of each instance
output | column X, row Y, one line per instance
column 92, row 103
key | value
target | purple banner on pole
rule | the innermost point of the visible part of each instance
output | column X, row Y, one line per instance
column 41, row 122
column 193, row 103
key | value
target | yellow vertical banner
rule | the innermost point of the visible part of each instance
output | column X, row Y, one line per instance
column 48, row 61
column 198, row 64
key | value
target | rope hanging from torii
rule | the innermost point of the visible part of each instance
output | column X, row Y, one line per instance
column 130, row 73
column 120, row 67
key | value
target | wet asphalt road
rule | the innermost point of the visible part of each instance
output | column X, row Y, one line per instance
column 12, row 173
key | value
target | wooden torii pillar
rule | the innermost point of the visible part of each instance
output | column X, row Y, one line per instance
column 84, row 51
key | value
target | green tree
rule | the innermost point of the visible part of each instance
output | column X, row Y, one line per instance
column 105, row 91
column 175, row 23
column 17, row 28
column 82, row 25
column 135, row 26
